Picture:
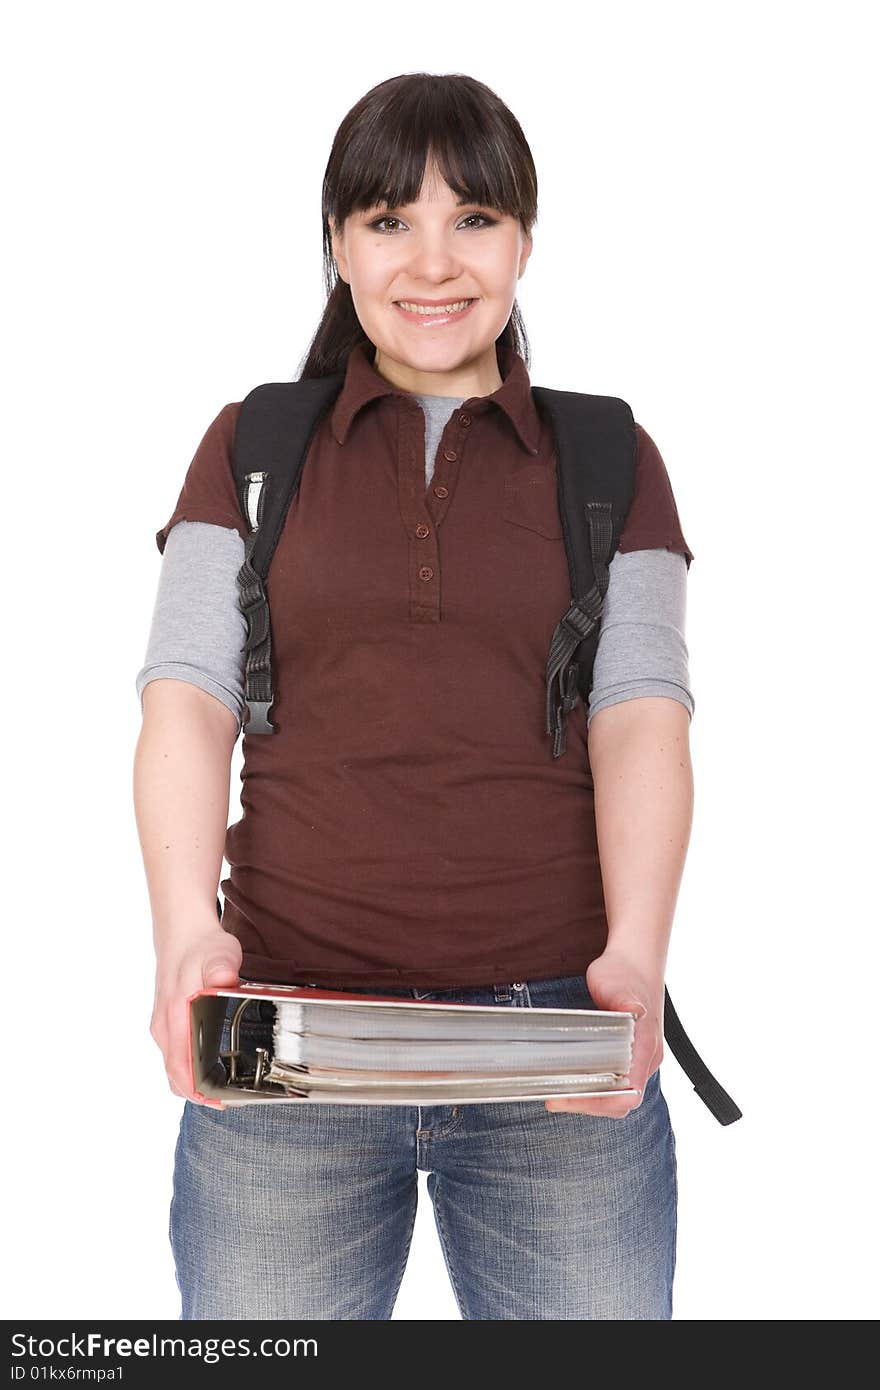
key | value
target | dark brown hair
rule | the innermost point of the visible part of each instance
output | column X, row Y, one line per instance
column 379, row 156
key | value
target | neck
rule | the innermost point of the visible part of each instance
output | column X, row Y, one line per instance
column 478, row 376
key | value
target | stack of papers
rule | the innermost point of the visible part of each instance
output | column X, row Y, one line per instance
column 407, row 1052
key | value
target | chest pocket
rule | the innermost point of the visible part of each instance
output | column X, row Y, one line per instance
column 530, row 500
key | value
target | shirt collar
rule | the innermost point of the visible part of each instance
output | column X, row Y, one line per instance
column 514, row 397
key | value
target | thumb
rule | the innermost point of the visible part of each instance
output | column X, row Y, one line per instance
column 630, row 1004
column 614, row 994
column 220, row 970
column 624, row 1001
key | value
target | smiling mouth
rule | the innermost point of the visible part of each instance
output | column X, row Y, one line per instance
column 455, row 306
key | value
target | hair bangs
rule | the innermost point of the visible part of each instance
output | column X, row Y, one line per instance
column 423, row 120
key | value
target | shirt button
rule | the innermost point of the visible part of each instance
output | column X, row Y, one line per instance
column 441, row 491
column 450, row 454
column 464, row 420
column 426, row 572
column 422, row 531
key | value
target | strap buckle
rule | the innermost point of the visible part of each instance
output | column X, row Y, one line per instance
column 258, row 717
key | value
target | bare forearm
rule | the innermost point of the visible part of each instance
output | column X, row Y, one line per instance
column 640, row 757
column 181, row 793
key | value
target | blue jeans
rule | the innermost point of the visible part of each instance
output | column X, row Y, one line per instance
column 288, row 1211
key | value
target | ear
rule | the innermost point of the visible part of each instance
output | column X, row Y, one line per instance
column 525, row 253
column 338, row 251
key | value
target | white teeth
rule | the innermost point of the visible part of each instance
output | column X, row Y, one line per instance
column 434, row 309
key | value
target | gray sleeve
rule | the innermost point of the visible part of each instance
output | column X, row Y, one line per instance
column 198, row 631
column 642, row 649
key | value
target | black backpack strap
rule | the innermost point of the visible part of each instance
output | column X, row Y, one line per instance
column 577, row 624
column 276, row 424
column 723, row 1107
column 596, row 449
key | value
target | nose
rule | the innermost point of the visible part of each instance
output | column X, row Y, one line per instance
column 433, row 257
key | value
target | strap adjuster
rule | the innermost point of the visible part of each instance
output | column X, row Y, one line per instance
column 258, row 717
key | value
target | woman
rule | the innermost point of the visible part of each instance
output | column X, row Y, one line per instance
column 405, row 830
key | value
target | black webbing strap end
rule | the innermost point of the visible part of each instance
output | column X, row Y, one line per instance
column 710, row 1091
column 723, row 1107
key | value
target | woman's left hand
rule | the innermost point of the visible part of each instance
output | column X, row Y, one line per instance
column 615, row 981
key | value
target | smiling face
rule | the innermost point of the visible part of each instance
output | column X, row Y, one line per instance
column 433, row 253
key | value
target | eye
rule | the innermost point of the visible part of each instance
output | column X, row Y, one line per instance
column 376, row 226
column 482, row 217
column 377, row 223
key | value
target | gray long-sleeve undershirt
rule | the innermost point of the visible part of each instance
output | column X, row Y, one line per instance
column 197, row 633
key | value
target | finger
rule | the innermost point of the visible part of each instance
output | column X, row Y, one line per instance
column 646, row 1037
column 644, row 1061
column 608, row 1115
column 609, row 1105
column 211, row 1104
column 573, row 1108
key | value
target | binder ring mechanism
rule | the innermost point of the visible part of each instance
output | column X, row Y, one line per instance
column 248, row 1080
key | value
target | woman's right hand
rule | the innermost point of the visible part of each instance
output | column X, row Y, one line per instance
column 211, row 958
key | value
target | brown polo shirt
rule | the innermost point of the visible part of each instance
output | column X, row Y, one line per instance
column 407, row 822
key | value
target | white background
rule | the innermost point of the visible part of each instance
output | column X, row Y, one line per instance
column 705, row 249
